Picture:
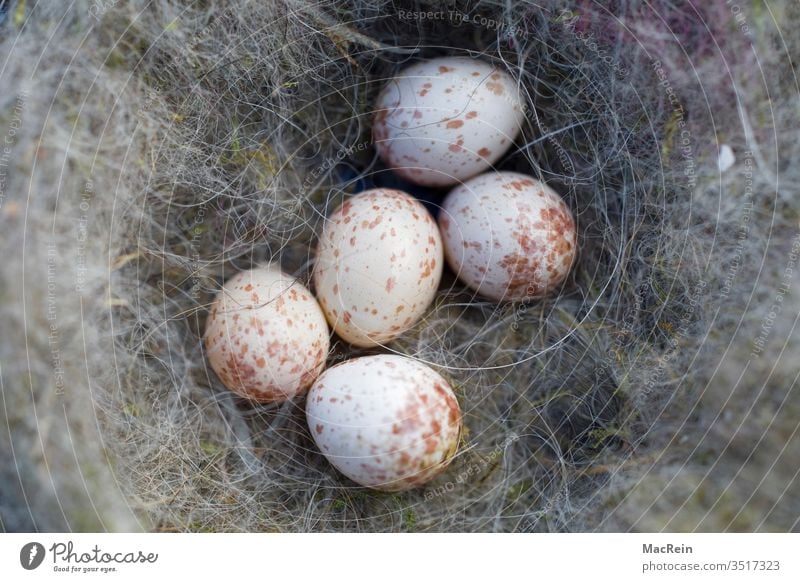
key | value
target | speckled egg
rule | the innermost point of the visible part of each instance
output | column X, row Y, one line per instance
column 508, row 236
column 387, row 422
column 266, row 336
column 378, row 266
column 442, row 121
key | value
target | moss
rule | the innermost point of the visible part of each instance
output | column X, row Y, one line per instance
column 409, row 520
column 20, row 13
column 210, row 449
column 132, row 409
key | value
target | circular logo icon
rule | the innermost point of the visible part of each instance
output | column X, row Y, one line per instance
column 31, row 555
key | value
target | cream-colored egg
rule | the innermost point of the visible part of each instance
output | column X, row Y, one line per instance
column 508, row 236
column 442, row 121
column 266, row 336
column 387, row 422
column 378, row 266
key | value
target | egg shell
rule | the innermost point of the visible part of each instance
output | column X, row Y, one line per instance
column 266, row 336
column 387, row 422
column 445, row 120
column 508, row 236
column 378, row 266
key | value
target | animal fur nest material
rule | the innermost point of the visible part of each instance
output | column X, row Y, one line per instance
column 152, row 149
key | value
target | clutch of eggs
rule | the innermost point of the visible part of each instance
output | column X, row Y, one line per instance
column 445, row 120
column 378, row 266
column 508, row 236
column 387, row 422
column 266, row 336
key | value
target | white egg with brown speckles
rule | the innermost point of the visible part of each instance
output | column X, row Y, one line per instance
column 266, row 336
column 387, row 422
column 508, row 236
column 445, row 120
column 378, row 266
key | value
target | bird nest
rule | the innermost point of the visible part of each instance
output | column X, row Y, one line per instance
column 156, row 148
